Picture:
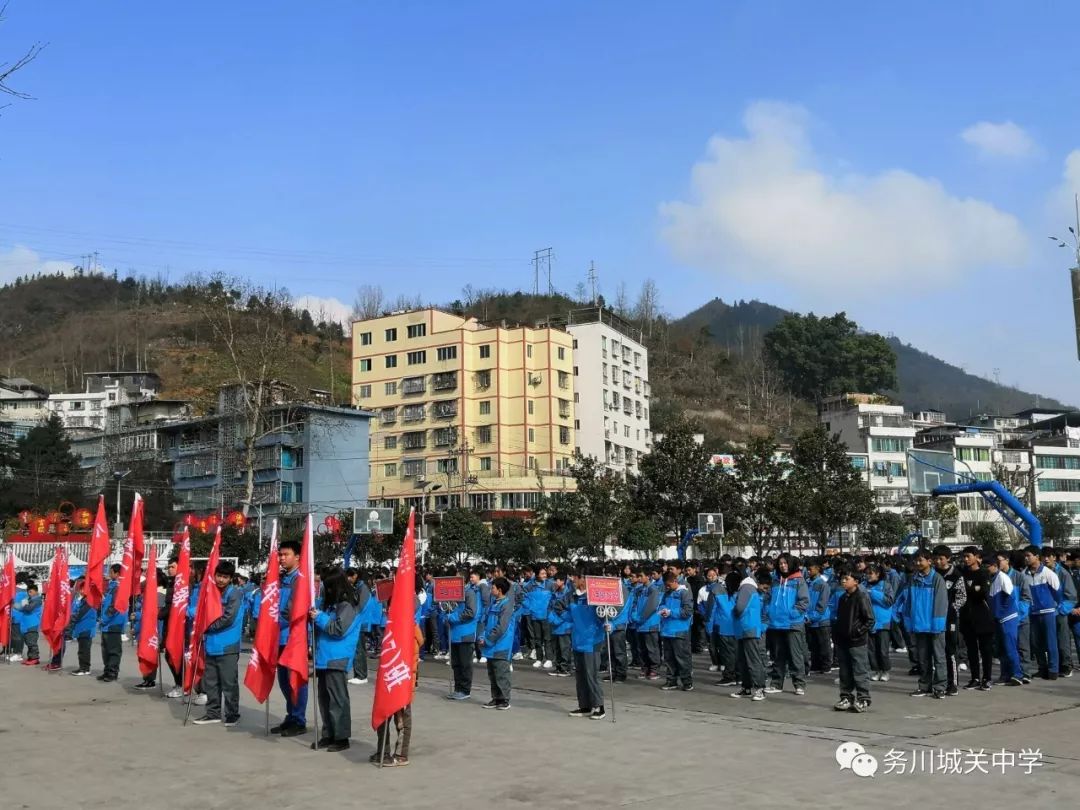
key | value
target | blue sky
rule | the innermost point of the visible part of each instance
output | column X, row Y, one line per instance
column 812, row 155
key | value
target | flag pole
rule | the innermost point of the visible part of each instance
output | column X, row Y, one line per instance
column 315, row 682
column 192, row 693
column 268, row 715
column 160, row 675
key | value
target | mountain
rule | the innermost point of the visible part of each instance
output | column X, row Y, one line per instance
column 923, row 381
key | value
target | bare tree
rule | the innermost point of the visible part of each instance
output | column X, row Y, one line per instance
column 368, row 303
column 8, row 69
column 406, row 301
column 647, row 308
column 622, row 300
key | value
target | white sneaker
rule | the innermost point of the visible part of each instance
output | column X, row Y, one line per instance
column 482, row 660
column 174, row 693
column 518, row 656
column 537, row 664
column 874, row 676
column 16, row 658
column 963, row 668
column 124, row 637
column 532, row 654
column 357, row 681
column 713, row 668
column 449, row 663
column 548, row 665
column 773, row 690
column 901, row 649
column 201, row 699
column 884, row 677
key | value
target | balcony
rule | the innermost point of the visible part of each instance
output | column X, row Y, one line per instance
column 564, row 413
column 412, row 413
column 444, row 410
column 411, row 469
column 414, row 441
column 413, row 385
column 482, row 379
column 445, row 437
column 388, row 416
column 445, row 381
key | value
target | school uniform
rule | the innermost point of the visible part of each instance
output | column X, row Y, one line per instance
column 818, row 624
column 675, row 635
column 1004, row 602
column 295, row 702
column 925, row 615
column 747, row 615
column 83, row 625
column 336, row 634
column 363, row 608
column 722, row 631
column 789, row 601
column 537, row 596
column 561, row 628
column 497, row 648
column 112, row 628
column 881, row 600
column 462, row 621
column 1045, row 588
column 221, row 681
column 586, row 637
column 1066, row 604
column 647, row 607
column 30, row 623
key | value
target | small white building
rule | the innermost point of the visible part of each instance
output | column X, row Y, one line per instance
column 87, row 410
column 611, row 389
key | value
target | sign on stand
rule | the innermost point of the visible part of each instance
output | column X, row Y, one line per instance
column 606, row 595
column 384, row 589
column 448, row 589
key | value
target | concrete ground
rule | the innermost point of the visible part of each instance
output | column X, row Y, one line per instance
column 74, row 742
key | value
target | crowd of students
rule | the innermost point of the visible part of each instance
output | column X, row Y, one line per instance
column 763, row 623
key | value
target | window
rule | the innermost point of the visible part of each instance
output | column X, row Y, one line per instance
column 412, row 413
column 485, row 407
column 564, row 408
column 390, row 388
column 365, row 364
column 575, row 371
column 390, row 443
column 485, row 351
column 483, row 379
column 530, row 407
column 446, row 353
column 483, row 435
column 564, row 435
column 77, row 405
column 445, row 381
column 444, row 437
column 1059, row 485
column 391, row 335
column 564, row 380
column 561, row 353
column 414, row 441
column 894, row 469
column 286, row 492
column 417, row 358
column 484, row 502
column 528, row 350
column 292, row 458
column 886, row 445
column 1057, row 462
column 973, row 453
column 577, row 424
column 532, row 435
column 391, row 361
column 626, row 431
column 532, row 463
column 575, row 343
column 365, row 338
column 447, row 409
column 485, row 463
column 446, row 465
column 364, row 392
column 412, row 468
column 390, row 470
column 417, row 330
column 413, row 385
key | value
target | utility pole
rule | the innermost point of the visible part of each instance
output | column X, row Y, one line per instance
column 542, row 258
column 592, row 280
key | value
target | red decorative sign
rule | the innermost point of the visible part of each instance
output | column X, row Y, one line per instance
column 236, row 519
column 84, row 518
column 448, row 589
column 384, row 589
column 604, row 591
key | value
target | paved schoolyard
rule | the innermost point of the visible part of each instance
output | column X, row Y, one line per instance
column 76, row 742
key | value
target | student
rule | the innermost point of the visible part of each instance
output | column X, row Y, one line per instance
column 957, row 597
column 1066, row 599
column 703, row 607
column 164, row 616
column 1004, row 602
column 337, row 627
column 854, row 621
column 788, row 604
column 587, row 636
column 221, row 681
column 977, row 624
column 83, row 624
column 537, row 593
column 363, row 600
column 881, row 599
column 1012, row 565
column 153, row 613
column 477, row 579
column 30, row 623
column 112, row 628
column 498, row 642
column 295, row 722
column 463, row 621
column 15, row 647
column 749, row 625
column 676, row 614
column 722, row 627
column 818, row 619
column 1045, row 589
column 647, row 605
column 619, row 664
column 561, row 627
column 925, row 614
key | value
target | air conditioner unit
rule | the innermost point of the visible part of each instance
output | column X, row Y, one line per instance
column 535, row 379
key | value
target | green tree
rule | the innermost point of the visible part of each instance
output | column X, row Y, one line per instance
column 988, row 537
column 461, row 535
column 41, row 470
column 513, row 541
column 1056, row 524
column 943, row 510
column 642, row 537
column 760, row 510
column 580, row 522
column 825, row 492
column 884, row 530
column 820, row 357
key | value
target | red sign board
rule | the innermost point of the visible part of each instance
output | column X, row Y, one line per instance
column 448, row 589
column 604, row 591
column 384, row 589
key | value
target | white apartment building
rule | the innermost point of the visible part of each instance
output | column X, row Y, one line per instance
column 86, row 410
column 611, row 389
column 881, row 432
column 1057, row 476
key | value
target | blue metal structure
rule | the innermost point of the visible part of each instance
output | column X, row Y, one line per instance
column 685, row 542
column 1004, row 502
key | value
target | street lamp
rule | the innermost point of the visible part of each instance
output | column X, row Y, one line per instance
column 425, row 488
column 118, row 476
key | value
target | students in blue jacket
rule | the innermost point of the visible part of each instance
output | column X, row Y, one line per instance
column 30, row 623
column 1066, row 599
column 818, row 616
column 478, row 580
column 362, row 606
column 676, row 614
column 789, row 602
column 462, row 620
column 881, row 600
column 1012, row 564
column 1004, row 601
column 83, row 625
column 112, row 628
column 221, row 679
column 498, row 643
column 647, row 617
column 15, row 648
column 721, row 624
column 586, row 636
column 926, row 609
column 561, row 627
column 749, row 628
column 538, row 591
column 1045, row 595
column 337, row 628
column 295, row 721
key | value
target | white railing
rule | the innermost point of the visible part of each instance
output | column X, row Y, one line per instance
column 36, row 555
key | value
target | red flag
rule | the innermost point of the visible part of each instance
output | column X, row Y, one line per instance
column 174, row 639
column 57, row 609
column 207, row 611
column 262, row 667
column 7, row 597
column 131, row 564
column 99, row 555
column 149, row 640
column 397, row 661
column 294, row 655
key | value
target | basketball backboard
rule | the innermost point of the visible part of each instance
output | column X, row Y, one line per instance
column 928, row 469
column 710, row 523
column 371, row 520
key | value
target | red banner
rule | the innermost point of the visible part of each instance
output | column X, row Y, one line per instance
column 397, row 661
column 207, row 611
column 174, row 638
column 294, row 656
column 149, row 639
column 7, row 596
column 262, row 667
column 604, row 591
column 57, row 610
column 448, row 589
column 384, row 589
column 99, row 554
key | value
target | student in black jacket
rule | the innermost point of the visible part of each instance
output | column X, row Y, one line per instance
column 977, row 623
column 851, row 632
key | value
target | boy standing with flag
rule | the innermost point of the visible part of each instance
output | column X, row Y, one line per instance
column 221, row 679
column 113, row 622
column 83, row 625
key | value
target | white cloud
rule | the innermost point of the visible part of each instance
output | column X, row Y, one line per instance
column 330, row 308
column 999, row 140
column 22, row 261
column 761, row 209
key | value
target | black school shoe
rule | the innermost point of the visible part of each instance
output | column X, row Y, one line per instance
column 146, row 685
column 292, row 731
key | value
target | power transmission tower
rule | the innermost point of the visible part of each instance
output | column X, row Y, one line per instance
column 542, row 260
column 592, row 281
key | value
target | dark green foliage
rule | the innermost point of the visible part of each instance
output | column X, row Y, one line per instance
column 40, row 472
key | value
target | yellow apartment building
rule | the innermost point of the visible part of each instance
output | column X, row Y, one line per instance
column 478, row 415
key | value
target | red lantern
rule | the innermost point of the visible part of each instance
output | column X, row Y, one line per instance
column 236, row 519
column 332, row 524
column 24, row 517
column 41, row 525
column 53, row 517
column 64, row 528
column 213, row 520
column 84, row 518
column 189, row 520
